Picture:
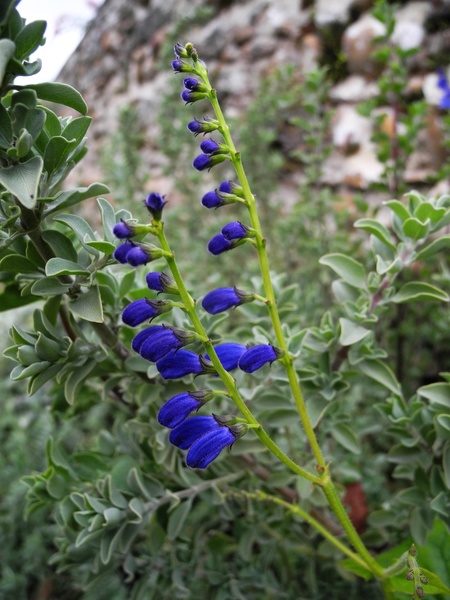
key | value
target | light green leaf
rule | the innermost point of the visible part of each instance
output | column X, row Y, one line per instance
column 22, row 180
column 108, row 219
column 61, row 266
column 88, row 306
column 78, row 225
column 76, row 379
column 101, row 246
column 351, row 332
column 49, row 286
column 446, row 464
column 414, row 229
column 347, row 268
column 7, row 49
column 377, row 229
column 442, row 243
column 60, row 244
column 61, row 93
column 380, row 372
column 177, row 519
column 345, row 436
column 17, row 264
column 69, row 198
column 416, row 291
column 427, row 211
column 29, row 39
column 436, row 393
column 444, row 421
column 399, row 209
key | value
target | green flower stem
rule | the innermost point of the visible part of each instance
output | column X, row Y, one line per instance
column 296, row 510
column 267, row 282
column 189, row 307
column 287, row 360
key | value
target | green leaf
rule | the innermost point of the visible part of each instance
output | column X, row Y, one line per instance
column 347, row 268
column 76, row 129
column 427, row 211
column 105, row 247
column 69, row 198
column 56, row 153
column 399, row 209
column 88, row 306
column 108, row 219
column 442, row 243
column 416, row 291
column 61, row 266
column 39, row 380
column 414, row 229
column 444, row 421
column 47, row 349
column 436, row 393
column 446, row 464
column 61, row 93
column 380, row 372
column 345, row 436
column 76, row 379
column 377, row 229
column 22, row 180
column 60, row 244
column 17, row 264
column 177, row 519
column 49, row 286
column 79, row 226
column 29, row 39
column 6, row 132
column 7, row 49
column 351, row 332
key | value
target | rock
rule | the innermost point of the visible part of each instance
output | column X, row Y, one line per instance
column 355, row 88
column 358, row 45
column 326, row 12
column 349, row 130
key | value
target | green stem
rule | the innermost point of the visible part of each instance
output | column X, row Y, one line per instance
column 227, row 379
column 296, row 510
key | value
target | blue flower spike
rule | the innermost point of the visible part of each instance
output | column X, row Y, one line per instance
column 179, row 407
column 160, row 340
column 162, row 283
column 144, row 310
column 208, row 447
column 223, row 299
column 256, row 357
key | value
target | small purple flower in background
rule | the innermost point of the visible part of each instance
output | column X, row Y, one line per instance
column 444, row 86
column 144, row 309
column 235, row 231
column 225, row 298
column 160, row 282
column 219, row 244
column 178, row 408
column 229, row 354
column 256, row 357
column 180, row 363
column 155, row 204
column 121, row 252
column 205, row 161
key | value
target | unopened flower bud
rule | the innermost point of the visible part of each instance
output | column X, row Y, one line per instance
column 211, row 147
column 155, row 204
column 160, row 282
column 205, row 125
column 202, row 162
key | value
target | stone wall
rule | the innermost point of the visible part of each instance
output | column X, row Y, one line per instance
column 119, row 63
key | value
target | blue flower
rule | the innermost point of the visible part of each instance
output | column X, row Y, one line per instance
column 190, row 97
column 155, row 204
column 160, row 282
column 178, row 408
column 180, row 66
column 229, row 354
column 137, row 256
column 204, row 450
column 205, row 161
column 219, row 244
column 121, row 252
column 142, row 336
column 144, row 309
column 212, row 148
column 162, row 340
column 235, row 231
column 212, row 200
column 222, row 299
column 258, row 356
column 444, row 86
column 177, row 364
column 190, row 430
column 181, row 51
column 205, row 125
column 124, row 230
